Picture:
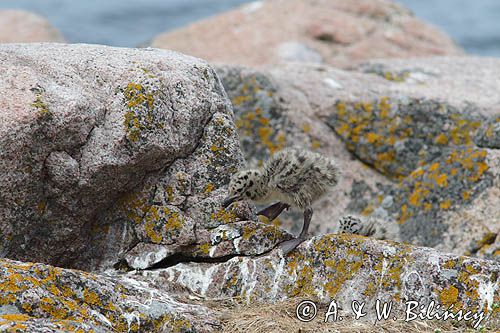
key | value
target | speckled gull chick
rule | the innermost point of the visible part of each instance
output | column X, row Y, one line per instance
column 292, row 177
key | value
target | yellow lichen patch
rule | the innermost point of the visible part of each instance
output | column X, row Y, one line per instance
column 304, row 285
column 449, row 264
column 417, row 173
column 470, row 285
column 340, row 106
column 367, row 107
column 384, row 106
column 132, row 126
column 224, row 216
column 343, row 270
column 434, row 167
column 238, row 100
column 370, row 290
column 14, row 321
column 396, row 77
column 373, row 134
column 343, row 129
column 135, row 206
column 153, row 235
column 448, row 296
column 372, row 137
column 41, row 107
column 481, row 168
column 204, row 248
column 441, row 139
column 12, row 284
column 306, row 128
column 462, row 129
column 135, row 95
column 415, row 197
column 27, row 307
column 170, row 193
column 465, row 195
column 255, row 125
column 439, row 185
column 209, row 188
column 446, row 204
column 403, row 216
column 174, row 222
column 391, row 270
column 91, row 297
column 367, row 210
column 139, row 117
column 181, row 325
column 271, row 232
column 66, row 307
column 248, row 232
column 315, row 144
column 442, row 180
column 15, row 317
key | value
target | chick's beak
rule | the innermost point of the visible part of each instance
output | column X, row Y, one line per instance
column 228, row 201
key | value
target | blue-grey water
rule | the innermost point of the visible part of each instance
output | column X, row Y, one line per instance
column 473, row 24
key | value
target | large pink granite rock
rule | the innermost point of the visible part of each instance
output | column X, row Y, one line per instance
column 416, row 140
column 335, row 32
column 111, row 153
column 19, row 26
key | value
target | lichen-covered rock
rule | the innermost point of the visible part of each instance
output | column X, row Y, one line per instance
column 349, row 268
column 277, row 109
column 41, row 298
column 428, row 138
column 105, row 150
column 19, row 26
column 335, row 32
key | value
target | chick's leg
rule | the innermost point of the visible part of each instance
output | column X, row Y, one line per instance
column 274, row 210
column 308, row 212
column 291, row 244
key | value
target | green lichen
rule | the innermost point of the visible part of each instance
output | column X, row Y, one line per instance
column 389, row 75
column 41, row 107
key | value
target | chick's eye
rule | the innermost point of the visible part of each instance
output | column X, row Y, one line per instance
column 248, row 194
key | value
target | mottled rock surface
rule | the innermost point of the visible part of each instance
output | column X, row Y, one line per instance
column 348, row 268
column 118, row 158
column 335, row 32
column 42, row 298
column 105, row 150
column 19, row 26
column 426, row 129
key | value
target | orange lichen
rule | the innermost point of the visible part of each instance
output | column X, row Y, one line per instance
column 224, row 216
column 448, row 296
column 209, row 188
column 446, row 204
column 441, row 139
